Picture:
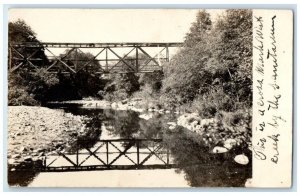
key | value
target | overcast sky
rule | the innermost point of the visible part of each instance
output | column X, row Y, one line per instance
column 102, row 25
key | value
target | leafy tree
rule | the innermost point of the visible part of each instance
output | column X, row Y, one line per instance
column 199, row 29
column 215, row 62
column 154, row 80
column 24, row 86
column 184, row 76
column 20, row 32
column 232, row 57
column 85, row 82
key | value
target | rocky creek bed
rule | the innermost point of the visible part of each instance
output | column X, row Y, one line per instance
column 35, row 131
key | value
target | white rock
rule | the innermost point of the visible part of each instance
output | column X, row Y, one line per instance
column 137, row 109
column 146, row 116
column 248, row 183
column 114, row 105
column 241, row 159
column 230, row 143
column 171, row 123
column 172, row 127
column 219, row 149
column 11, row 161
column 205, row 122
column 167, row 111
column 122, row 107
column 161, row 111
column 16, row 156
column 28, row 158
column 194, row 123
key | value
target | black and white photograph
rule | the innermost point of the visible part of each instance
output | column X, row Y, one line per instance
column 140, row 97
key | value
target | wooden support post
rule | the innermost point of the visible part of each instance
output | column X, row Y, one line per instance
column 106, row 59
column 77, row 158
column 45, row 162
column 167, row 54
column 76, row 60
column 138, row 152
column 137, row 59
column 107, row 161
column 168, row 154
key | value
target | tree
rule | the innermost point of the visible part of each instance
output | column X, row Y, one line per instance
column 215, row 64
column 20, row 32
column 198, row 29
column 233, row 54
column 184, row 75
column 83, row 83
column 24, row 86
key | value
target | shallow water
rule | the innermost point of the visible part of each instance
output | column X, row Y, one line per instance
column 196, row 166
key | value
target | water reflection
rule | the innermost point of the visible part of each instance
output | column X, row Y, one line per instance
column 201, row 168
column 189, row 153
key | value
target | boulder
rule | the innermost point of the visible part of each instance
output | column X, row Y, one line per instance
column 241, row 159
column 114, row 105
column 146, row 116
column 11, row 162
column 171, row 123
column 122, row 106
column 137, row 109
column 28, row 158
column 248, row 183
column 16, row 156
column 219, row 149
column 207, row 122
column 124, row 101
column 230, row 143
column 172, row 127
column 161, row 111
column 23, row 149
column 188, row 121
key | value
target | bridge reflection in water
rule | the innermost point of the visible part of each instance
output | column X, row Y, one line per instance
column 113, row 154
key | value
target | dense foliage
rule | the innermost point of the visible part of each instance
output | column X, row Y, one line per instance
column 24, row 86
column 34, row 86
column 213, row 71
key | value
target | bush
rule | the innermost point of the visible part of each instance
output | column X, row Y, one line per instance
column 17, row 95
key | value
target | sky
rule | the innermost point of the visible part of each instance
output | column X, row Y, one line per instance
column 104, row 25
column 109, row 25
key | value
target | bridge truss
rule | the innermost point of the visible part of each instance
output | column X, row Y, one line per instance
column 114, row 154
column 103, row 58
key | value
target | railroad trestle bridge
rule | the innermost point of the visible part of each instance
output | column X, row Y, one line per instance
column 104, row 58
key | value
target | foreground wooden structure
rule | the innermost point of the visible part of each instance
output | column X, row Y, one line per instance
column 106, row 58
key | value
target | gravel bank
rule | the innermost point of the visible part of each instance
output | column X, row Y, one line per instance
column 34, row 131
